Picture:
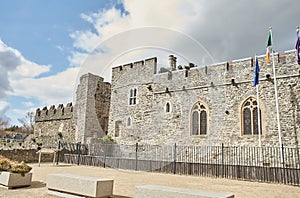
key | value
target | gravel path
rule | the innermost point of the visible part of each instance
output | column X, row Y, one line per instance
column 125, row 182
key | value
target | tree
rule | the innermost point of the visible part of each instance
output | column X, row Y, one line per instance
column 28, row 122
column 3, row 123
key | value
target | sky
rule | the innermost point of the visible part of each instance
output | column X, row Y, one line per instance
column 46, row 45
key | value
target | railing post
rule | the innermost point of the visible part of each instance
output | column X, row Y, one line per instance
column 174, row 157
column 136, row 156
column 222, row 160
column 282, row 151
column 283, row 166
column 105, row 149
column 78, row 145
column 58, row 148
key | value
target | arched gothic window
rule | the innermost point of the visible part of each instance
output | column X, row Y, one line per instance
column 250, row 117
column 199, row 119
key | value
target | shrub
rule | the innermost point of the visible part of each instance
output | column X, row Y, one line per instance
column 5, row 164
column 107, row 139
column 14, row 167
column 21, row 168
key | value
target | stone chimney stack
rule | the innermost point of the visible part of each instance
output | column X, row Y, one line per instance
column 172, row 62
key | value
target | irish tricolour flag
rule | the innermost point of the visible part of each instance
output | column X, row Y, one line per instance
column 269, row 45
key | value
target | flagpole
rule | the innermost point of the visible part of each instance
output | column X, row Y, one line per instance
column 297, row 46
column 258, row 111
column 276, row 100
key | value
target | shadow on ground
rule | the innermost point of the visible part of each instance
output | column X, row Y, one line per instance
column 119, row 196
column 37, row 184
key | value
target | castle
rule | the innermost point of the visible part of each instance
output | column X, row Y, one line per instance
column 189, row 105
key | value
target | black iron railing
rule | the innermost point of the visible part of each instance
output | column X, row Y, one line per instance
column 266, row 164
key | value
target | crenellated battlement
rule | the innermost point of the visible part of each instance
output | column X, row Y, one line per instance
column 53, row 113
column 240, row 70
column 227, row 68
column 175, row 76
column 150, row 63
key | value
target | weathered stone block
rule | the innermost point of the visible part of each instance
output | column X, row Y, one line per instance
column 79, row 185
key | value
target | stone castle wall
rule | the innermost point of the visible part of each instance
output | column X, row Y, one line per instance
column 88, row 120
column 26, row 155
column 49, row 122
column 222, row 87
column 92, row 107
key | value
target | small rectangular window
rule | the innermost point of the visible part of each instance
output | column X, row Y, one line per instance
column 132, row 96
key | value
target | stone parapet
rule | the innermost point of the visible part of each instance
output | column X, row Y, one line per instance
column 59, row 113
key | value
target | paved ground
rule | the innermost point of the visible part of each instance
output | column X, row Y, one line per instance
column 125, row 182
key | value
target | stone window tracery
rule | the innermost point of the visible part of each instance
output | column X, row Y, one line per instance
column 250, row 117
column 199, row 119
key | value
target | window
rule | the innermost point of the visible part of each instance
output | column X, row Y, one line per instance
column 132, row 96
column 168, row 107
column 199, row 119
column 250, row 117
column 129, row 121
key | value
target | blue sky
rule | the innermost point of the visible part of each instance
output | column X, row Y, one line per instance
column 43, row 43
column 40, row 31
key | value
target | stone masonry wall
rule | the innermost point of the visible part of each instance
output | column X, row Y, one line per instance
column 26, row 155
column 102, row 104
column 49, row 122
column 92, row 107
column 222, row 87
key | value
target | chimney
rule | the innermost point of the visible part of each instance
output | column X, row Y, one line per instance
column 172, row 62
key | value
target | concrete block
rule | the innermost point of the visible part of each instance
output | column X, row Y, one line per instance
column 156, row 191
column 79, row 185
column 14, row 180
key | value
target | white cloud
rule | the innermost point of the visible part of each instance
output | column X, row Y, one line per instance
column 21, row 78
column 85, row 40
column 4, row 106
column 28, row 104
column 227, row 31
column 53, row 89
column 28, row 69
column 76, row 58
column 14, row 66
column 9, row 60
column 60, row 48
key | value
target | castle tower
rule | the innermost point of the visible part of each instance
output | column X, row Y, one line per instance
column 91, row 108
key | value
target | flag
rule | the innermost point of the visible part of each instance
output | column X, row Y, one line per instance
column 298, row 47
column 269, row 44
column 256, row 73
